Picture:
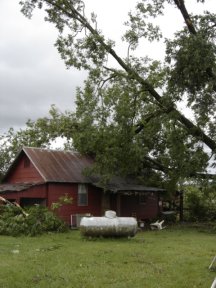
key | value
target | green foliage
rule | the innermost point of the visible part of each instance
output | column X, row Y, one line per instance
column 184, row 75
column 63, row 200
column 200, row 203
column 39, row 220
column 140, row 26
column 191, row 74
column 127, row 118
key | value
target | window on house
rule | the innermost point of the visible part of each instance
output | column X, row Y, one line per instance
column 82, row 195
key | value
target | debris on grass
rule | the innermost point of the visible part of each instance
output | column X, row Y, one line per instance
column 212, row 266
column 15, row 251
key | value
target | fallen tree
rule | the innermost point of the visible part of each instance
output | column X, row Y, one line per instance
column 127, row 117
column 36, row 220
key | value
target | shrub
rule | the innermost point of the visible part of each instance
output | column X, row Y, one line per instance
column 14, row 222
column 200, row 203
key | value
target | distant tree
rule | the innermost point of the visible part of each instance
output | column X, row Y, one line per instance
column 127, row 117
column 200, row 202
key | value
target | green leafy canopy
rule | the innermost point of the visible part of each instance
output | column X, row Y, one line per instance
column 127, row 117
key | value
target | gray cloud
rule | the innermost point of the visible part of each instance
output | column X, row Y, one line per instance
column 32, row 75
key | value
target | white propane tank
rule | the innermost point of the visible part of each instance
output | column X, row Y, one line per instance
column 109, row 225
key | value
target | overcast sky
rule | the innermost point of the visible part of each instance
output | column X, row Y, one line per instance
column 32, row 74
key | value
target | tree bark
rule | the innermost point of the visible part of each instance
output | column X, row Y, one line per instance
column 180, row 4
column 181, row 206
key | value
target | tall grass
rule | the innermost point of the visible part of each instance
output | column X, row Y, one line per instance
column 168, row 258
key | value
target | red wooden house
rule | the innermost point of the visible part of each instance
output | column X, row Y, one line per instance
column 39, row 176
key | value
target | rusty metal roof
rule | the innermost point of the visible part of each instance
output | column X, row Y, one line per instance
column 56, row 165
column 15, row 187
column 59, row 166
column 69, row 167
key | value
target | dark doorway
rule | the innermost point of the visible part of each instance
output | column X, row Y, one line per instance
column 24, row 202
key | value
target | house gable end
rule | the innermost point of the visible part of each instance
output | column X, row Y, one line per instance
column 53, row 165
column 59, row 166
column 23, row 170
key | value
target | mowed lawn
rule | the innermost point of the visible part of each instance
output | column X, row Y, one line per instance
column 174, row 257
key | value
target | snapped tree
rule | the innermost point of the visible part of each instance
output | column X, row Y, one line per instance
column 127, row 115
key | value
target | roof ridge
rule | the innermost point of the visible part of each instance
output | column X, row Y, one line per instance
column 53, row 150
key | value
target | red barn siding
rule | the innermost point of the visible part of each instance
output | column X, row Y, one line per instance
column 61, row 171
column 33, row 192
column 129, row 205
column 21, row 174
column 51, row 192
column 57, row 190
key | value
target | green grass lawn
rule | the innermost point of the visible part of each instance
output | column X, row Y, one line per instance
column 174, row 257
